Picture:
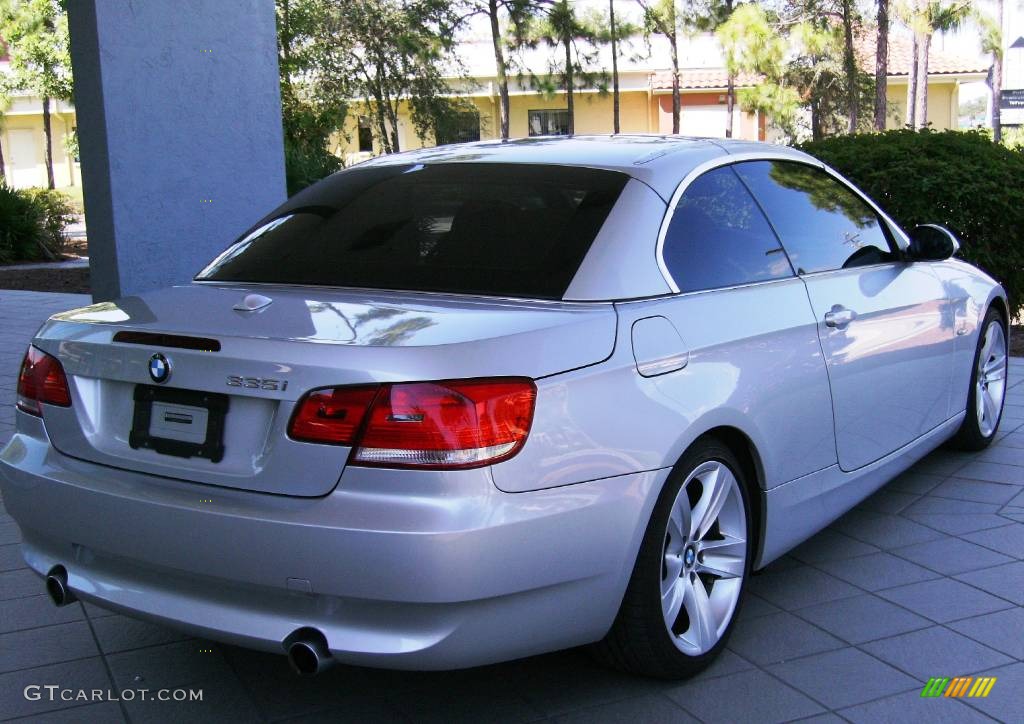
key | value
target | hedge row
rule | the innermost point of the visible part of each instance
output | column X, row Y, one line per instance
column 958, row 179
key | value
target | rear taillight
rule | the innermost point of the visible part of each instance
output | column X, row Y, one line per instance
column 41, row 380
column 454, row 424
column 331, row 416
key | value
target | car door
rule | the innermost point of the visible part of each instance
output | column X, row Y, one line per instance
column 887, row 341
column 745, row 326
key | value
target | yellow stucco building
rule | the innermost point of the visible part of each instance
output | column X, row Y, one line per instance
column 23, row 141
column 645, row 106
column 24, row 149
column 646, row 99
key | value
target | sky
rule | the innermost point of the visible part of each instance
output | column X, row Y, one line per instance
column 965, row 42
column 968, row 41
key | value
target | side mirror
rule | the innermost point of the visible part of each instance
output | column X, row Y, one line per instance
column 931, row 242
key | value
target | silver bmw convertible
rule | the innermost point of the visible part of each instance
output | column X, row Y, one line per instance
column 473, row 403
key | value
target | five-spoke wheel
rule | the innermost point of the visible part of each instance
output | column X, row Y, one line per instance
column 987, row 390
column 705, row 554
column 688, row 580
column 991, row 378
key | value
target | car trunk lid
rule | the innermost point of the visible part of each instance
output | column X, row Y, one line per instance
column 274, row 347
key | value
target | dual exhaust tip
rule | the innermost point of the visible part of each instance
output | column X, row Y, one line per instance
column 308, row 653
column 307, row 649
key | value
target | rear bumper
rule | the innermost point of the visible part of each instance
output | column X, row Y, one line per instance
column 393, row 575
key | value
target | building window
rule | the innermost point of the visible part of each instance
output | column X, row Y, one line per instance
column 549, row 123
column 365, row 135
column 463, row 127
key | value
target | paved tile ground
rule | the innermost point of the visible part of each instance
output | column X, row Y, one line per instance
column 926, row 578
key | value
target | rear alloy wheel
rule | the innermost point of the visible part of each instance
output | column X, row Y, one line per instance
column 688, row 580
column 705, row 557
column 988, row 387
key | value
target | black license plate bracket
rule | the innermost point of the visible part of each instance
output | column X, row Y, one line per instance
column 209, row 445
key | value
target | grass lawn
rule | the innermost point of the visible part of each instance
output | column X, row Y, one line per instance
column 75, row 194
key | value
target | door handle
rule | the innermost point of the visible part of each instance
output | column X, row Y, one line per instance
column 839, row 316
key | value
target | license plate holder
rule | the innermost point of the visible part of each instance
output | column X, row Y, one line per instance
column 182, row 423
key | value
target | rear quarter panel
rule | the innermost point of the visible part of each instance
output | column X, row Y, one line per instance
column 754, row 364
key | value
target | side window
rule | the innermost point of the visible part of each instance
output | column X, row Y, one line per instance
column 718, row 237
column 823, row 224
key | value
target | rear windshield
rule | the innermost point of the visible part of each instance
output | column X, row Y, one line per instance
column 495, row 229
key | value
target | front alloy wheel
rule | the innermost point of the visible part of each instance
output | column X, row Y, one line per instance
column 987, row 391
column 688, row 580
column 990, row 384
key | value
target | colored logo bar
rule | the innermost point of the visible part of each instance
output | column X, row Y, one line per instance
column 959, row 686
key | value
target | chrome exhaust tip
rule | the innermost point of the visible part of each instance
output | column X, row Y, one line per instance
column 57, row 586
column 308, row 654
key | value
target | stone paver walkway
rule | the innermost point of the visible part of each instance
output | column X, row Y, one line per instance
column 926, row 578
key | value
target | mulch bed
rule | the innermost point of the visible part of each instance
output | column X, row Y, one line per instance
column 78, row 246
column 69, row 281
column 1017, row 340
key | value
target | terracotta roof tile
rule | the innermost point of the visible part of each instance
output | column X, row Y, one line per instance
column 940, row 62
column 699, row 78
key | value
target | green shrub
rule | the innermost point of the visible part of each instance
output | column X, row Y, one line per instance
column 32, row 223
column 958, row 179
column 57, row 211
column 19, row 225
column 307, row 163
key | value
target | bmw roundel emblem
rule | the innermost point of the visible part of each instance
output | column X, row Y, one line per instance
column 159, row 368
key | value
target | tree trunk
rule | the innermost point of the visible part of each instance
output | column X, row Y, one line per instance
column 615, row 67
column 730, row 103
column 997, row 81
column 912, row 86
column 676, row 101
column 393, row 119
column 382, row 126
column 499, row 62
column 48, row 150
column 286, row 40
column 881, row 65
column 816, row 134
column 850, row 66
column 921, row 109
column 569, row 81
column 381, row 113
column 3, row 167
column 730, row 87
column 388, row 111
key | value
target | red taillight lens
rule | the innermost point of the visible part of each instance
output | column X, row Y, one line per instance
column 41, row 380
column 447, row 424
column 331, row 416
column 456, row 424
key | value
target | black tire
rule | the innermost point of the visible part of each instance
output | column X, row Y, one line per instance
column 639, row 641
column 970, row 436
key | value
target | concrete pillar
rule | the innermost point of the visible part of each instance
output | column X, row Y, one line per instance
column 179, row 126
